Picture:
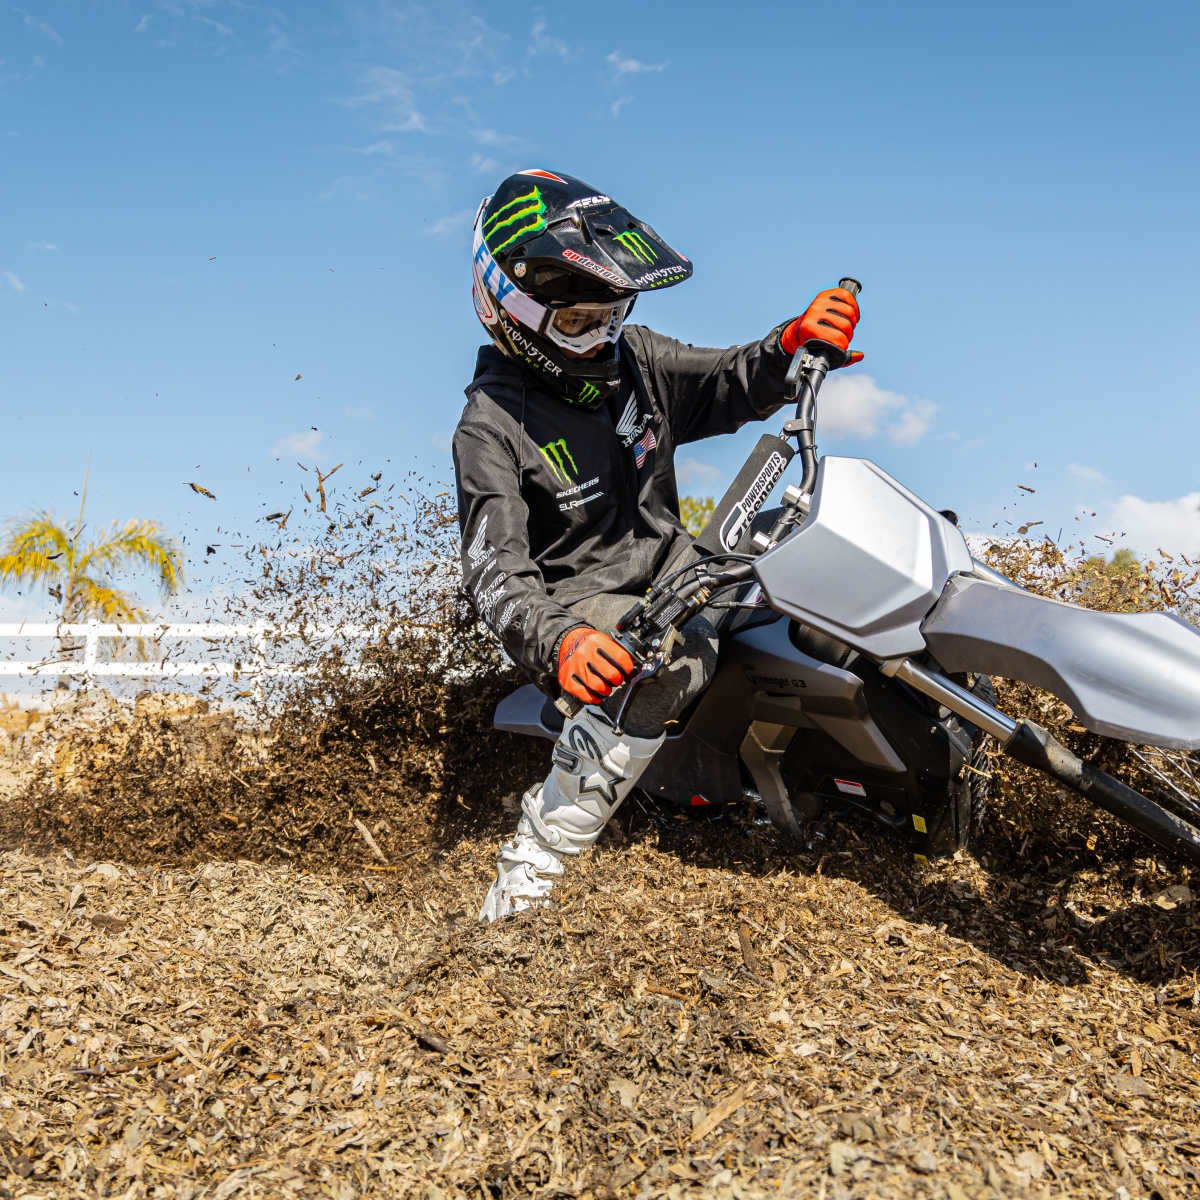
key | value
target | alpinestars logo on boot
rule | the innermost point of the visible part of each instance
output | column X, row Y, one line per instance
column 560, row 460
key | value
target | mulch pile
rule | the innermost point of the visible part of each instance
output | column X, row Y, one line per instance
column 241, row 959
column 704, row 1012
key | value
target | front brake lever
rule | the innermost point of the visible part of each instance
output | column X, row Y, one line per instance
column 651, row 665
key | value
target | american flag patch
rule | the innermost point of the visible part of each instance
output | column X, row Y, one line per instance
column 644, row 447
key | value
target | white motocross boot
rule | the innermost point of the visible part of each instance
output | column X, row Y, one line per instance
column 594, row 769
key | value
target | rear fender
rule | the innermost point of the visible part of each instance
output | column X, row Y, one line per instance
column 1133, row 676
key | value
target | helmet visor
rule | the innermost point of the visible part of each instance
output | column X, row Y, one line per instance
column 582, row 327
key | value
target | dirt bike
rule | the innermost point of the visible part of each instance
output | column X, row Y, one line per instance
column 856, row 657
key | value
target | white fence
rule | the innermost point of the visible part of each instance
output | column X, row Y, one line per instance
column 261, row 639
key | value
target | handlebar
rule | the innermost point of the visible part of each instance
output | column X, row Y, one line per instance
column 806, row 372
column 647, row 628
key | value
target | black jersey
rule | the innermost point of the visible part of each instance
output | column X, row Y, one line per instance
column 558, row 503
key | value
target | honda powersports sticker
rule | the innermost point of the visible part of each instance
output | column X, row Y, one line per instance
column 738, row 521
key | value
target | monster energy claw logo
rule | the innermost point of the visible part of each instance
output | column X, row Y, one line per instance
column 527, row 213
column 637, row 245
column 589, row 391
column 560, row 460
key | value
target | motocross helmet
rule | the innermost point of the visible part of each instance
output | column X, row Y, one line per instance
column 557, row 267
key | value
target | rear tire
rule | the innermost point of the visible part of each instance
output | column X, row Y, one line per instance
column 1170, row 780
column 970, row 792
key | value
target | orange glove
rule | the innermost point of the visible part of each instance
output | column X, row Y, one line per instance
column 591, row 664
column 831, row 317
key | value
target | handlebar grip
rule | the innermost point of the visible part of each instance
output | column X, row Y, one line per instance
column 851, row 285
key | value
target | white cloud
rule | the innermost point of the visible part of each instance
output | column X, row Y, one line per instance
column 41, row 27
column 1146, row 526
column 624, row 64
column 1086, row 474
column 692, row 473
column 618, row 104
column 494, row 138
column 221, row 28
column 14, row 281
column 143, row 23
column 913, row 423
column 49, row 247
column 299, row 445
column 484, row 164
column 542, row 43
column 391, row 89
column 856, row 405
column 384, row 146
column 459, row 222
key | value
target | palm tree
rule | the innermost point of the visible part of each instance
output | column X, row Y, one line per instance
column 38, row 550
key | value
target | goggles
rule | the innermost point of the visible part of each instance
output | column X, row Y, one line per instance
column 576, row 327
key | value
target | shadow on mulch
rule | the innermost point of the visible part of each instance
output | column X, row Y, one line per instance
column 1045, row 908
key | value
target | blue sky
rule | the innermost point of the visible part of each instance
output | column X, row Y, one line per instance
column 204, row 199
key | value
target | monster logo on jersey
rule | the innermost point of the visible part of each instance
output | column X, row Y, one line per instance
column 560, row 460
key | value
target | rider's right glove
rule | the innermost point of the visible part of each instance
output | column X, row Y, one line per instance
column 831, row 317
column 591, row 664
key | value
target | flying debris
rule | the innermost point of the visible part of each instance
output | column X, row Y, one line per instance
column 211, row 549
column 298, row 376
column 203, row 491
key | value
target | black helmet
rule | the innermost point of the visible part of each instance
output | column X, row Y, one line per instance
column 557, row 268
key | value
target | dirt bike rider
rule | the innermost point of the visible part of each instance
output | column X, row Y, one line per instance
column 566, row 486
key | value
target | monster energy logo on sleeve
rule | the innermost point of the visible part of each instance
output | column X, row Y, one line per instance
column 560, row 460
column 527, row 212
column 637, row 245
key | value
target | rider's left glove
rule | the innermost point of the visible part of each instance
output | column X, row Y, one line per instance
column 831, row 317
column 591, row 664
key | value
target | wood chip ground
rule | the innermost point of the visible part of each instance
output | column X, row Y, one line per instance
column 704, row 1012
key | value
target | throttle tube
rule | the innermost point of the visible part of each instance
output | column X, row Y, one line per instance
column 1037, row 748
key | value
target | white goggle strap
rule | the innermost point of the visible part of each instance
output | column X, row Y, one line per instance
column 523, row 307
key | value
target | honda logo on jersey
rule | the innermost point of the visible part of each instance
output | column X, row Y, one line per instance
column 630, row 427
